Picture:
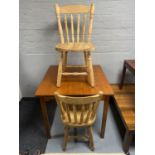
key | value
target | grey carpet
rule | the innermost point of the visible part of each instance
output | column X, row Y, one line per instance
column 112, row 142
column 31, row 131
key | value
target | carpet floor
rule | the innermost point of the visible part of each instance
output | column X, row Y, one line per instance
column 31, row 131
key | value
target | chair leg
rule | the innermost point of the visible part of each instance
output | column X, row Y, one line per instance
column 64, row 62
column 65, row 137
column 75, row 134
column 91, row 141
column 86, row 64
column 90, row 70
column 59, row 75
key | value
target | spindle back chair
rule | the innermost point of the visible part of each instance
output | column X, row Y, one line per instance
column 78, row 112
column 70, row 17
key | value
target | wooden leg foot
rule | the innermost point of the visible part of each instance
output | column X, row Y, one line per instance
column 127, row 141
column 45, row 116
column 65, row 138
column 91, row 141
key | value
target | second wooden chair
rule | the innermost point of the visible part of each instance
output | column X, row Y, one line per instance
column 74, row 41
column 78, row 112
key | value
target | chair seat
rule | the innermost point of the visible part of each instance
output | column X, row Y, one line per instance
column 81, row 46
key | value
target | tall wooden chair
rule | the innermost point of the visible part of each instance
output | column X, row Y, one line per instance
column 78, row 112
column 75, row 40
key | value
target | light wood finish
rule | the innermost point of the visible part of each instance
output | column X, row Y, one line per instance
column 59, row 75
column 125, row 103
column 75, row 47
column 73, row 87
column 78, row 112
column 90, row 70
column 78, row 28
column 72, row 28
column 66, row 27
column 92, row 9
column 84, row 28
column 59, row 23
column 74, row 9
column 76, row 43
column 75, row 73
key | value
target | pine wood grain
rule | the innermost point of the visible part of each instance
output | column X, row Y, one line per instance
column 75, row 47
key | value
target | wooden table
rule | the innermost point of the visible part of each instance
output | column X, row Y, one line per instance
column 130, row 65
column 74, row 86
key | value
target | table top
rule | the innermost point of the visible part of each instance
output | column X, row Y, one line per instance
column 73, row 85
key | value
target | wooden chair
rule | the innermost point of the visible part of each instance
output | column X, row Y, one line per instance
column 78, row 112
column 72, row 40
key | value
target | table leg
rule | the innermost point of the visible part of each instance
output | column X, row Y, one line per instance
column 104, row 116
column 127, row 141
column 45, row 116
column 123, row 76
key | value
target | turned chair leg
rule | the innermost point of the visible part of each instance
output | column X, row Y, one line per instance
column 59, row 75
column 86, row 64
column 91, row 141
column 65, row 137
column 65, row 59
column 90, row 70
column 64, row 62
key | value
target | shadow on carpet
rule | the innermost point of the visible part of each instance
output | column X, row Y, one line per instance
column 31, row 129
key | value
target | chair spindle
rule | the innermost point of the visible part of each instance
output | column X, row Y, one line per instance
column 72, row 27
column 84, row 27
column 68, row 112
column 92, row 9
column 75, row 114
column 88, row 113
column 78, row 27
column 59, row 24
column 82, row 113
column 66, row 27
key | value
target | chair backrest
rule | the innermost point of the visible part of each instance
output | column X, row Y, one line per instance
column 78, row 110
column 66, row 16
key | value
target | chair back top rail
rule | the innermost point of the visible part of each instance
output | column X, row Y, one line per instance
column 66, row 17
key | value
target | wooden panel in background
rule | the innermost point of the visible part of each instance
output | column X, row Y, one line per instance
column 125, row 101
